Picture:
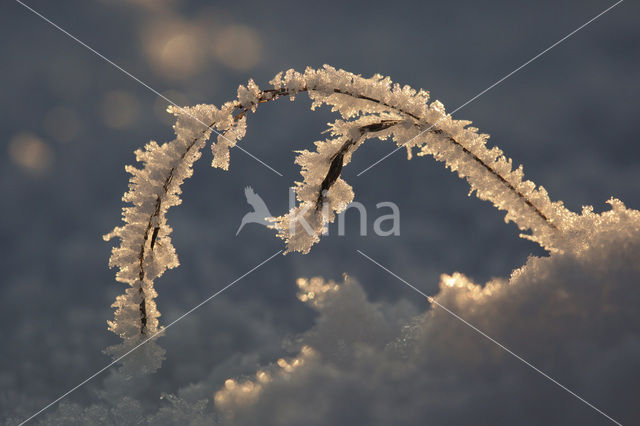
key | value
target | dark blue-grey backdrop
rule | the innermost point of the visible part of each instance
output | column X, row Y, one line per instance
column 70, row 122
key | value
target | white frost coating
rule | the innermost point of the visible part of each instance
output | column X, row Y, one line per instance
column 416, row 124
column 369, row 107
column 145, row 249
column 231, row 132
column 490, row 174
column 315, row 167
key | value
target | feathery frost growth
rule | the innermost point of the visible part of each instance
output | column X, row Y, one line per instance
column 368, row 107
column 145, row 250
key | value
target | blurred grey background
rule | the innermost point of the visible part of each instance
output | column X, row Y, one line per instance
column 70, row 122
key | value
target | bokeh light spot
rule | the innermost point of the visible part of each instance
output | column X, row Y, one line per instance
column 31, row 153
column 237, row 46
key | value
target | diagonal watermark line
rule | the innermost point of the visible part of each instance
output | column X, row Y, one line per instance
column 494, row 84
column 256, row 158
column 500, row 345
column 106, row 367
column 124, row 71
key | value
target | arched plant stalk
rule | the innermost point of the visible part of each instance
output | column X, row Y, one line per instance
column 369, row 107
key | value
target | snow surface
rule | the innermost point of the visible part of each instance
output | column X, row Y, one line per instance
column 572, row 314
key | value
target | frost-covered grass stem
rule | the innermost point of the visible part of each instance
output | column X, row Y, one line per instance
column 369, row 108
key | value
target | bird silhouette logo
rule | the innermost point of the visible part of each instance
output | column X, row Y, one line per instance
column 260, row 211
